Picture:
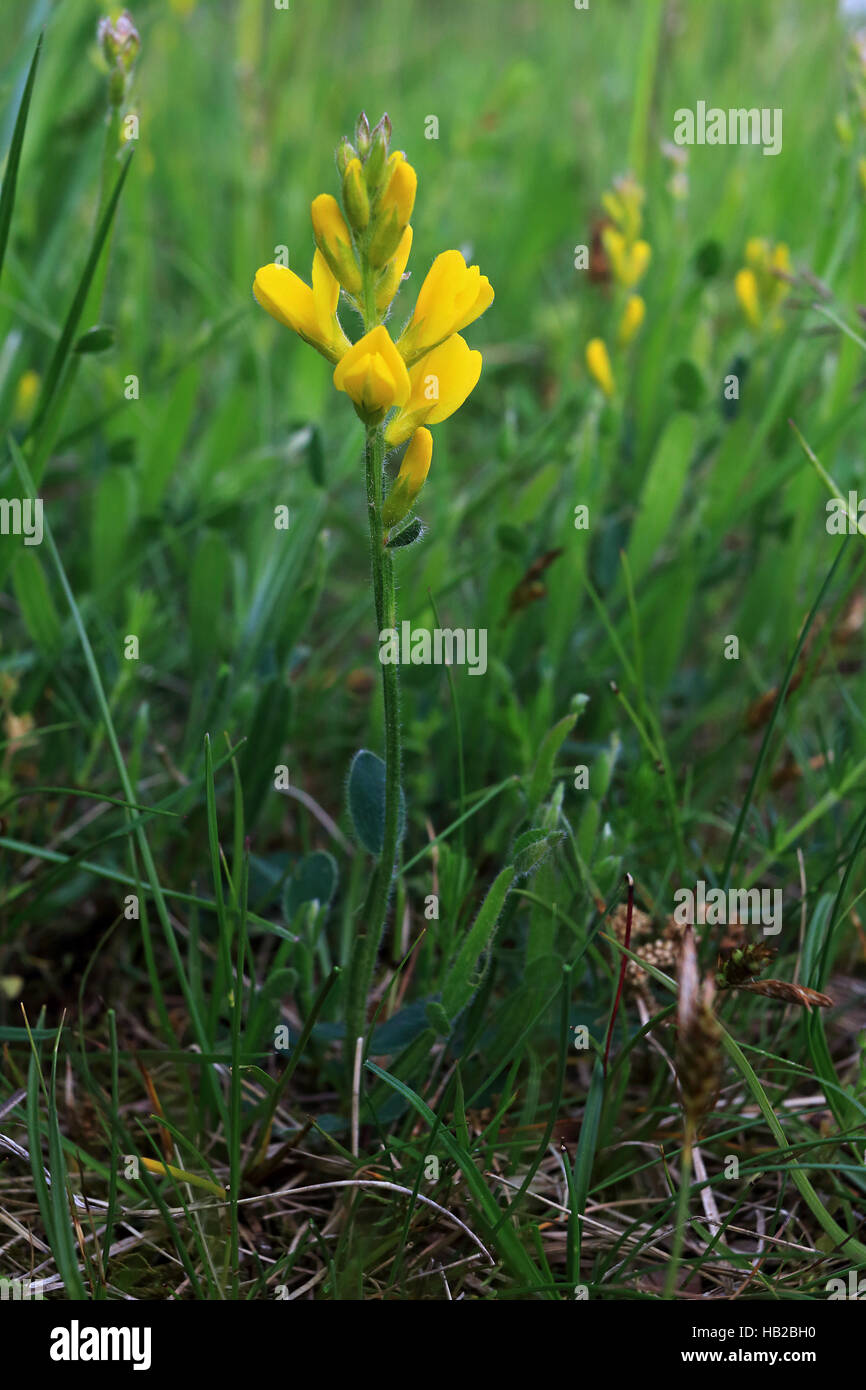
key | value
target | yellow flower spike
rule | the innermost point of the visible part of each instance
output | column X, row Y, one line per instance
column 439, row 384
column 598, row 362
column 394, row 210
column 373, row 375
column 452, row 296
column 334, row 240
column 746, row 289
column 392, row 275
column 632, row 318
column 356, row 200
column 311, row 313
column 410, row 479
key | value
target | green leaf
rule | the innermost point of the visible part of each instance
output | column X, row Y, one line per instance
column 542, row 773
column 10, row 179
column 464, row 975
column 163, row 449
column 208, row 589
column 76, row 308
column 314, row 880
column 111, row 522
column 34, row 599
column 408, row 536
column 267, row 732
column 96, row 339
column 366, row 801
column 278, row 986
column 532, row 848
column 661, row 493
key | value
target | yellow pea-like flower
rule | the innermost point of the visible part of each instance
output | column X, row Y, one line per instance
column 334, row 240
column 311, row 313
column 392, row 275
column 439, row 384
column 632, row 318
column 373, row 375
column 410, row 479
column 598, row 362
column 452, row 296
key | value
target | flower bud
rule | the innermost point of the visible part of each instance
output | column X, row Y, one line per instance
column 355, row 199
column 334, row 240
column 345, row 154
column 362, row 135
column 598, row 362
column 394, row 210
column 410, row 479
column 375, row 165
column 632, row 318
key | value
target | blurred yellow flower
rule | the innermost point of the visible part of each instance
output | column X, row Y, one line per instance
column 628, row 262
column 373, row 375
column 439, row 384
column 311, row 313
column 25, row 395
column 632, row 318
column 410, row 479
column 746, row 290
column 761, row 285
column 598, row 362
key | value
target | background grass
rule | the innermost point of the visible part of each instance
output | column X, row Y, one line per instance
column 152, row 1038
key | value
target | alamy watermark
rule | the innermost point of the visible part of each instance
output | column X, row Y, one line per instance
column 716, row 907
column 22, row 516
column 736, row 126
column 441, row 646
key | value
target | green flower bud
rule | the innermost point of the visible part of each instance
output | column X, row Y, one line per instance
column 375, row 165
column 362, row 135
column 345, row 154
column 355, row 199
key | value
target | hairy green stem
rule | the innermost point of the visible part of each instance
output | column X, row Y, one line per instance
column 375, row 908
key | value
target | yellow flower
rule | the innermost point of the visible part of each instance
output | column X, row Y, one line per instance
column 628, row 261
column 373, row 374
column 632, row 318
column 410, row 479
column 394, row 210
column 312, row 313
column 389, row 282
column 25, row 395
column 624, row 206
column 746, row 290
column 452, row 296
column 598, row 362
column 439, row 384
column 761, row 285
column 334, row 240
